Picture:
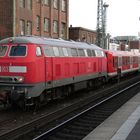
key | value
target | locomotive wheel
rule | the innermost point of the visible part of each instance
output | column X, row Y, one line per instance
column 19, row 104
column 42, row 97
column 90, row 84
column 37, row 103
column 68, row 90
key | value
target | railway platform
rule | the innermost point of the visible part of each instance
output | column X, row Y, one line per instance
column 124, row 124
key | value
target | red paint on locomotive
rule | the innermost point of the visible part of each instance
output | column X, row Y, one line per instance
column 34, row 67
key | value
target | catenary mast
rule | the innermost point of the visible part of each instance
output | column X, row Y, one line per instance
column 101, row 24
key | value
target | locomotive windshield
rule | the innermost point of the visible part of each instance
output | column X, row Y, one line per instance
column 3, row 50
column 18, row 51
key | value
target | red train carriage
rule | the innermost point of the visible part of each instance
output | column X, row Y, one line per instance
column 34, row 68
column 124, row 61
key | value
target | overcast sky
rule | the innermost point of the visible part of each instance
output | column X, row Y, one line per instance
column 122, row 15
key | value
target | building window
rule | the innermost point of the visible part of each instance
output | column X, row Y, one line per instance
column 22, row 27
column 29, row 28
column 55, row 26
column 63, row 5
column 46, row 24
column 29, row 4
column 38, row 0
column 55, row 4
column 63, row 30
column 3, row 50
column 38, row 23
column 22, row 3
column 46, row 2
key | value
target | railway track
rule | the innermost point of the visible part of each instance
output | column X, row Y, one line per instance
column 35, row 125
column 77, row 127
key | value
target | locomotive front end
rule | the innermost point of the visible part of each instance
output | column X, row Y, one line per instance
column 18, row 72
column 13, row 71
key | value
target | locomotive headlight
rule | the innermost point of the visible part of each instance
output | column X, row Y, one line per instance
column 19, row 79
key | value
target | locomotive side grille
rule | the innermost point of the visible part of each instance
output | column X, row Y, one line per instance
column 12, row 79
column 6, row 79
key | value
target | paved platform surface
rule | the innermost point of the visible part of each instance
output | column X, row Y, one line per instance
column 124, row 124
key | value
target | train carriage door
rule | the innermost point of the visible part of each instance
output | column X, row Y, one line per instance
column 39, row 64
column 49, row 54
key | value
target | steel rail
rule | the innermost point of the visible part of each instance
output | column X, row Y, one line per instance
column 52, row 130
column 47, row 118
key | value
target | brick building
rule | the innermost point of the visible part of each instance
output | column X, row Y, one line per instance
column 82, row 34
column 34, row 17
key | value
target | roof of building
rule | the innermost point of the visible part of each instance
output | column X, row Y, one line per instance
column 82, row 28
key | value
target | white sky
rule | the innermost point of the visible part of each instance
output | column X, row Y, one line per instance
column 122, row 15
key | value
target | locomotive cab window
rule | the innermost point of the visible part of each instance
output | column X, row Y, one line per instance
column 18, row 51
column 38, row 51
column 3, row 50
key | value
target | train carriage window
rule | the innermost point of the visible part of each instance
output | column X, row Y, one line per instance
column 123, row 61
column 89, row 52
column 18, row 51
column 138, row 60
column 99, row 53
column 115, row 62
column 56, row 51
column 85, row 52
column 48, row 51
column 60, row 51
column 69, row 51
column 120, row 61
column 74, row 52
column 129, row 60
column 38, row 51
column 93, row 53
column 135, row 59
column 81, row 52
column 65, row 51
column 3, row 50
column 103, row 54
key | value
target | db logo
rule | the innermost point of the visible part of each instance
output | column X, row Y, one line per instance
column 4, row 69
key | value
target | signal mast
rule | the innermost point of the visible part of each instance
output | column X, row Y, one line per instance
column 101, row 39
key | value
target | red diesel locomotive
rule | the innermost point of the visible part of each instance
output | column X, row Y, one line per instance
column 35, row 69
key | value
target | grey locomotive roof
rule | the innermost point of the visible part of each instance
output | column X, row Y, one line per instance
column 48, row 41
